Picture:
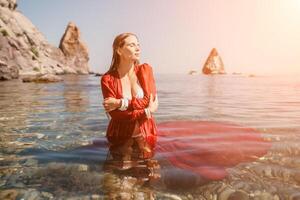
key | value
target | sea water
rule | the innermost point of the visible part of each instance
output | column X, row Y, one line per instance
column 47, row 134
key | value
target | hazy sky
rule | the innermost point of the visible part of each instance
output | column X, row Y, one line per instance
column 252, row 36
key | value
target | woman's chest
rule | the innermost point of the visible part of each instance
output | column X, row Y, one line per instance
column 126, row 86
column 130, row 87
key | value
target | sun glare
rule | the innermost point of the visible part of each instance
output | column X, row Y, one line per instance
column 297, row 2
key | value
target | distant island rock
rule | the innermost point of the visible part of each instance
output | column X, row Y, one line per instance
column 99, row 74
column 236, row 73
column 193, row 72
column 25, row 51
column 213, row 64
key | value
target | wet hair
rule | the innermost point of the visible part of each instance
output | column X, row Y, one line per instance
column 119, row 42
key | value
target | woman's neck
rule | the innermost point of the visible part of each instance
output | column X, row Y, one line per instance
column 125, row 67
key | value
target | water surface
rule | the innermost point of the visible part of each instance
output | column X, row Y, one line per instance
column 47, row 132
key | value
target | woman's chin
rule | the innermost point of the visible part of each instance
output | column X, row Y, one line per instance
column 135, row 60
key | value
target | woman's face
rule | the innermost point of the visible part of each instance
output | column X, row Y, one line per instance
column 131, row 49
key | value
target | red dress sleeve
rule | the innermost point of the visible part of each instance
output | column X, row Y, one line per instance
column 108, row 91
column 147, row 82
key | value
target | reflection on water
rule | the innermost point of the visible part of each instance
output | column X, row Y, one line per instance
column 53, row 146
column 76, row 98
column 212, row 92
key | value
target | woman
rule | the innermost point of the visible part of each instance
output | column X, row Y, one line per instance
column 128, row 90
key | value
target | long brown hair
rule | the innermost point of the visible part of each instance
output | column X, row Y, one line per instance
column 119, row 42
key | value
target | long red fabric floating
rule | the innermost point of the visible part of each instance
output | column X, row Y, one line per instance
column 208, row 148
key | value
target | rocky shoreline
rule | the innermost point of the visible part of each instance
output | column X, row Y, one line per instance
column 24, row 51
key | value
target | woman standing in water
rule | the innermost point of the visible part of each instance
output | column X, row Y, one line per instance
column 130, row 100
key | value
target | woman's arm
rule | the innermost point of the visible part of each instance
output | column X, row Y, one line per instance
column 111, row 103
column 153, row 105
column 147, row 82
column 108, row 91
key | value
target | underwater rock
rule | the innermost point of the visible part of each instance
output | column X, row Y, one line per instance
column 30, row 162
column 297, row 177
column 238, row 195
column 171, row 196
column 295, row 196
column 83, row 168
column 47, row 195
column 9, row 194
column 32, row 194
column 96, row 197
column 224, row 195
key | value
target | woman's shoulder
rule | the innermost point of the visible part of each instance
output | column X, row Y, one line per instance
column 108, row 76
column 144, row 67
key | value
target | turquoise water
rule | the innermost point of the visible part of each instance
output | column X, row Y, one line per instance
column 47, row 131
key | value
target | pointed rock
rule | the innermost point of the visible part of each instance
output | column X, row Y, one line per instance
column 74, row 49
column 11, row 4
column 213, row 64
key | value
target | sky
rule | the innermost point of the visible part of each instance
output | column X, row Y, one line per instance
column 176, row 36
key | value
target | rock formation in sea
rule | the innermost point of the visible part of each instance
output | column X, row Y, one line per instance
column 25, row 51
column 46, row 78
column 213, row 64
column 74, row 49
column 192, row 72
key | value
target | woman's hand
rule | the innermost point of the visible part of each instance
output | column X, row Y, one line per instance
column 111, row 103
column 153, row 105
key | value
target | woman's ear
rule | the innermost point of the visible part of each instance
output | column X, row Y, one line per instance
column 119, row 52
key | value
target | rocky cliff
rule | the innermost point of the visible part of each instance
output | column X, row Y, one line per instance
column 213, row 64
column 25, row 51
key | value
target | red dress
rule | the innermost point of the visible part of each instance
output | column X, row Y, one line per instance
column 122, row 123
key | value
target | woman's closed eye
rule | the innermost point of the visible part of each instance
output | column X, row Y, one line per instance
column 134, row 45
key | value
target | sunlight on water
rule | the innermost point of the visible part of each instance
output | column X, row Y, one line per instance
column 53, row 145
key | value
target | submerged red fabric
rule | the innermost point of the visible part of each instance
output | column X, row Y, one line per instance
column 208, row 148
column 122, row 123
